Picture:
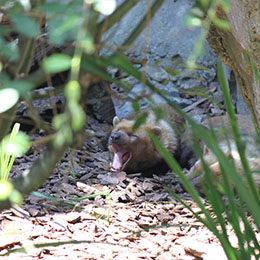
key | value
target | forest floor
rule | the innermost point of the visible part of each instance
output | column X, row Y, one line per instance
column 137, row 219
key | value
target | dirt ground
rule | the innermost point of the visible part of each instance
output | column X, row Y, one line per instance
column 138, row 220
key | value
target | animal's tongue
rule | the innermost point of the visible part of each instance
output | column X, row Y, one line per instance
column 117, row 163
column 121, row 158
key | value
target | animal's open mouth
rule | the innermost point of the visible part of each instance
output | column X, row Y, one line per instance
column 121, row 157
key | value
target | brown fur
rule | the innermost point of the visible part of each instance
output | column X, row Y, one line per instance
column 124, row 143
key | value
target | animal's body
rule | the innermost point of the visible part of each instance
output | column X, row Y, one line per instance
column 228, row 147
column 133, row 151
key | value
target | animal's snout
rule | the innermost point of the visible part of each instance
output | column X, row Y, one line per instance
column 115, row 138
column 118, row 138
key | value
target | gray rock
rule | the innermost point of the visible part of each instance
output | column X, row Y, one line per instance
column 168, row 45
column 167, row 35
column 242, row 107
column 156, row 73
column 124, row 110
column 199, row 118
column 102, row 108
column 238, row 101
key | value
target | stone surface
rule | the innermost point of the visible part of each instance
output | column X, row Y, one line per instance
column 238, row 101
column 167, row 35
column 101, row 106
column 168, row 45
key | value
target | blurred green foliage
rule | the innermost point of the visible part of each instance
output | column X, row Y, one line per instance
column 74, row 29
column 229, row 206
column 203, row 14
column 42, row 40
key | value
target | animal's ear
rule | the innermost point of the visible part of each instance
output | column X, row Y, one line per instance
column 205, row 150
column 116, row 120
column 133, row 138
column 156, row 130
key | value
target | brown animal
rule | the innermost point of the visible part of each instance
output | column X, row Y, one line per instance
column 134, row 151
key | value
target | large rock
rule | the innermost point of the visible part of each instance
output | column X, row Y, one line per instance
column 166, row 37
column 168, row 42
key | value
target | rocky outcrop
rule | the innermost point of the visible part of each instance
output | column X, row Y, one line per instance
column 166, row 43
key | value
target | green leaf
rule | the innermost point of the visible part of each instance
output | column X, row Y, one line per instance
column 222, row 24
column 88, row 44
column 16, row 146
column 71, row 22
column 136, row 106
column 64, row 135
column 225, row 4
column 7, row 159
column 54, row 7
column 159, row 113
column 192, row 21
column 56, row 63
column 61, row 7
column 8, row 98
column 94, row 66
column 16, row 197
column 72, row 91
column 106, row 7
column 199, row 47
column 140, row 120
column 9, row 50
column 4, row 30
column 254, row 68
column 56, row 200
column 6, row 188
column 25, row 25
column 59, row 120
column 23, row 87
column 62, row 30
column 104, row 193
column 77, row 116
column 172, row 72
